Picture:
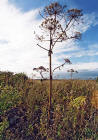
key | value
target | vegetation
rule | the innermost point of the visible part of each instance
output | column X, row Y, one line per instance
column 24, row 103
column 58, row 25
column 97, row 79
column 71, row 71
column 52, row 109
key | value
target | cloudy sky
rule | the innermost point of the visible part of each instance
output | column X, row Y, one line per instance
column 19, row 52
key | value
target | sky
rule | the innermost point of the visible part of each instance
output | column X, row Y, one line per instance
column 19, row 19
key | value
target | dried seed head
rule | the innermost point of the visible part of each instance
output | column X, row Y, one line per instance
column 67, row 61
column 54, row 9
column 74, row 13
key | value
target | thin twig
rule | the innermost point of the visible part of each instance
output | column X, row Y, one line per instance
column 59, row 67
column 43, row 48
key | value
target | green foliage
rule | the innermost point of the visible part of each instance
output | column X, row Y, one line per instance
column 3, row 126
column 9, row 97
column 97, row 79
column 78, row 102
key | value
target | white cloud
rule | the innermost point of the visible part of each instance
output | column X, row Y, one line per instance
column 84, row 66
column 18, row 50
column 19, row 53
column 81, row 53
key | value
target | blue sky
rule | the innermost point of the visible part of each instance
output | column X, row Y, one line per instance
column 20, row 18
column 87, row 6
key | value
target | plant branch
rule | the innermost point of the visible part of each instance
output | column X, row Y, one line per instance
column 59, row 66
column 66, row 61
column 43, row 48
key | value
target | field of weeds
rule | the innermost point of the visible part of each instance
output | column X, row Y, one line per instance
column 24, row 108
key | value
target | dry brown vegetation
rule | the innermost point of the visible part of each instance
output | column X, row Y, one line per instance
column 95, row 99
column 24, row 109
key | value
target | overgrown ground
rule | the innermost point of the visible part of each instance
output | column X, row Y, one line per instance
column 24, row 104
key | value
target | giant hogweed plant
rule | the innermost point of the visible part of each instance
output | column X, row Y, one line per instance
column 58, row 25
